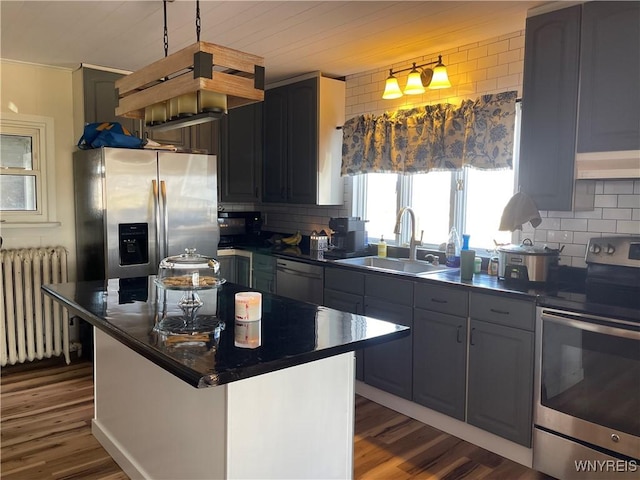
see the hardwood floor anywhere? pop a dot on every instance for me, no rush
(46, 416)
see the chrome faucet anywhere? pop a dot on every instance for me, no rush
(412, 243)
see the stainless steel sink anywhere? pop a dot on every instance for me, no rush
(410, 267)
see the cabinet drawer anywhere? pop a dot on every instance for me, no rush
(442, 299)
(344, 280)
(264, 263)
(503, 311)
(386, 287)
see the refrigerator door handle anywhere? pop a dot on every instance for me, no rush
(156, 206)
(165, 215)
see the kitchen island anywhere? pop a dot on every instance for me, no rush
(197, 406)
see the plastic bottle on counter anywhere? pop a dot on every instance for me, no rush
(382, 247)
(465, 241)
(453, 249)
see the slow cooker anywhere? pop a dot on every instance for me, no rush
(527, 263)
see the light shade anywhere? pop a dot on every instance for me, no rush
(440, 79)
(414, 83)
(391, 88)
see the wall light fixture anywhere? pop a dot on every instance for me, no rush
(417, 79)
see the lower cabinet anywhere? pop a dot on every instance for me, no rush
(235, 269)
(264, 273)
(389, 366)
(500, 390)
(439, 361)
(470, 354)
(344, 290)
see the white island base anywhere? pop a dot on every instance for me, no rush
(293, 423)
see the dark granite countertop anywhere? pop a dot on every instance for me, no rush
(292, 332)
(567, 293)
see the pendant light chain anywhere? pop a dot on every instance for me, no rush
(166, 31)
(198, 20)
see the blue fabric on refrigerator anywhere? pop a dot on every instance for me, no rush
(107, 134)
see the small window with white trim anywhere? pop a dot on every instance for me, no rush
(27, 179)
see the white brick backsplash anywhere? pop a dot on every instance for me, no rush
(636, 214)
(553, 214)
(628, 226)
(629, 201)
(575, 224)
(604, 226)
(618, 186)
(596, 213)
(550, 224)
(636, 186)
(540, 236)
(606, 201)
(572, 250)
(616, 213)
(560, 236)
(582, 238)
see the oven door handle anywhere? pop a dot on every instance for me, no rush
(592, 327)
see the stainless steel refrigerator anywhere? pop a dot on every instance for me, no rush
(135, 207)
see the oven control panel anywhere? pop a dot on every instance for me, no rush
(623, 251)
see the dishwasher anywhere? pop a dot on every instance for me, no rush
(300, 281)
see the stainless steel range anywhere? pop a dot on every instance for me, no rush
(587, 412)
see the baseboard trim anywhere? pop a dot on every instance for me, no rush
(115, 450)
(469, 433)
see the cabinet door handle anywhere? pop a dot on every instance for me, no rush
(437, 300)
(471, 342)
(458, 331)
(501, 312)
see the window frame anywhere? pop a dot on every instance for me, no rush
(41, 131)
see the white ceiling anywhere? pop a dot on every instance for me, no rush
(336, 37)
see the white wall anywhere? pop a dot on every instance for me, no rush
(44, 91)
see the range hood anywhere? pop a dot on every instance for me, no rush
(604, 165)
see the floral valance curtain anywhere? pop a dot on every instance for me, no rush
(434, 137)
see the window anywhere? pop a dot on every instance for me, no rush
(471, 200)
(27, 193)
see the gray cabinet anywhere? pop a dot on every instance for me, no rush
(389, 366)
(549, 108)
(302, 146)
(235, 269)
(241, 154)
(95, 99)
(264, 273)
(344, 290)
(440, 348)
(609, 118)
(500, 384)
(501, 380)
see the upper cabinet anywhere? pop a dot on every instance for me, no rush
(303, 142)
(609, 117)
(593, 49)
(95, 100)
(549, 108)
(241, 154)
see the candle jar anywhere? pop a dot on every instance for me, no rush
(155, 114)
(187, 105)
(213, 102)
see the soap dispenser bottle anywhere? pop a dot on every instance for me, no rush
(382, 247)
